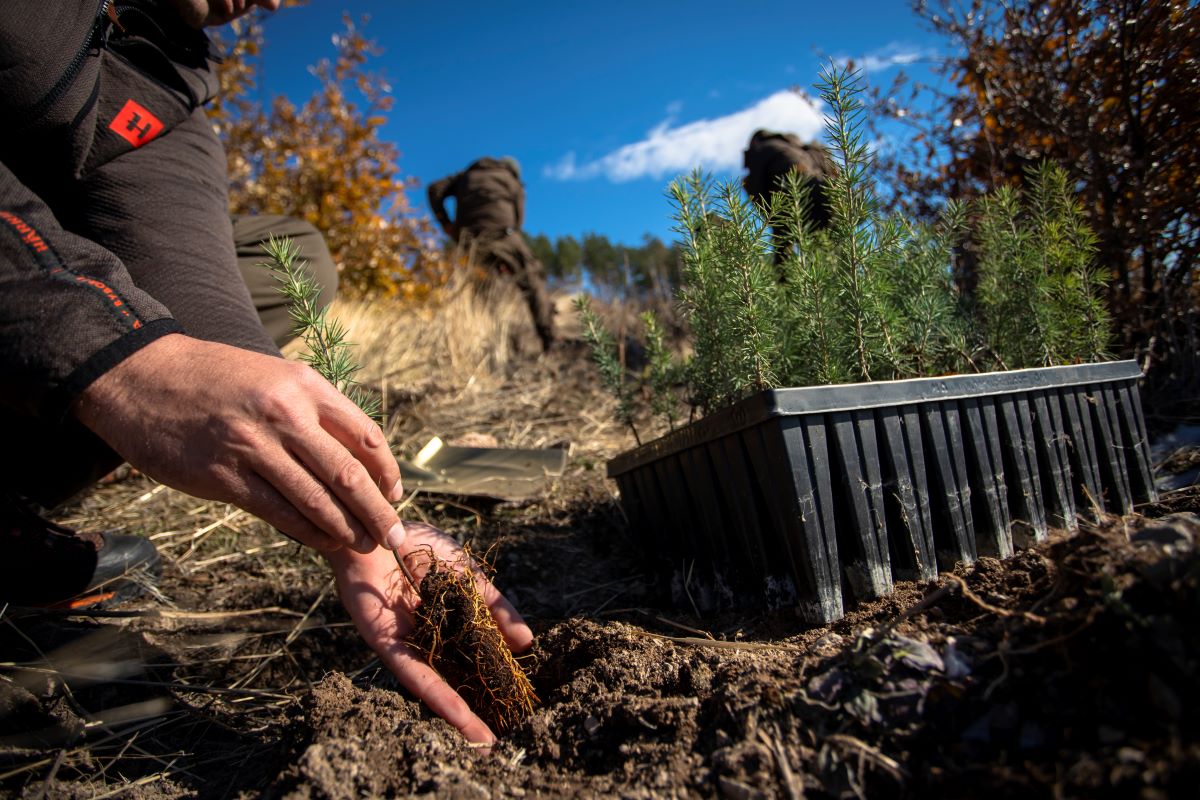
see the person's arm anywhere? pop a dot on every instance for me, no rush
(69, 310)
(277, 439)
(438, 191)
(269, 435)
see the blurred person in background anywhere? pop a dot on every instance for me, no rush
(489, 212)
(768, 158)
(129, 331)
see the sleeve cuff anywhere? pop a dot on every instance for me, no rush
(106, 358)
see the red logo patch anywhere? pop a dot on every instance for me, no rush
(135, 124)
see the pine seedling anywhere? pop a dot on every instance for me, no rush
(663, 370)
(703, 287)
(751, 336)
(604, 353)
(860, 238)
(1039, 292)
(730, 295)
(813, 335)
(328, 352)
(1008, 287)
(454, 627)
(930, 317)
(1067, 246)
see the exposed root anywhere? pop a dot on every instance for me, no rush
(461, 641)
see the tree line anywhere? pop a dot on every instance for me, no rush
(651, 268)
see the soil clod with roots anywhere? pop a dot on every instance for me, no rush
(456, 631)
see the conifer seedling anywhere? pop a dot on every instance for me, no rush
(770, 302)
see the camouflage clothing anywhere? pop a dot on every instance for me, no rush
(489, 213)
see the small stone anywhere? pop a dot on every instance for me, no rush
(827, 645)
(591, 725)
(957, 665)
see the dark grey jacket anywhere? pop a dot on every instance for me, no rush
(113, 196)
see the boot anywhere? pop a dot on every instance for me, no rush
(46, 565)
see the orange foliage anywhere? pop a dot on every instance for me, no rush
(325, 161)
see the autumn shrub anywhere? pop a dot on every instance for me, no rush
(325, 161)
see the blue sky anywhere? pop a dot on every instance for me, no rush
(602, 103)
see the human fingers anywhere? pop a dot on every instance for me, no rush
(363, 437)
(512, 626)
(259, 497)
(371, 590)
(355, 461)
(425, 683)
(339, 476)
(309, 498)
(510, 622)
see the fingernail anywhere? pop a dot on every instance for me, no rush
(395, 536)
(397, 492)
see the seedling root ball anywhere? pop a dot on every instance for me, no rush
(456, 631)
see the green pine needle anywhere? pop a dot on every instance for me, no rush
(328, 351)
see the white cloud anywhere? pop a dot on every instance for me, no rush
(711, 144)
(889, 56)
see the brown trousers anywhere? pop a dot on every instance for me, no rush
(507, 254)
(250, 232)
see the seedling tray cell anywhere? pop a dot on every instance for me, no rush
(1052, 451)
(863, 542)
(821, 496)
(910, 529)
(993, 535)
(1085, 454)
(949, 492)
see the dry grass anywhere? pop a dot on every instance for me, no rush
(470, 335)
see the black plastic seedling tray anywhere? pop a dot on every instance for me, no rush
(819, 496)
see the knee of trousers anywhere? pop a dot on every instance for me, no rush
(251, 232)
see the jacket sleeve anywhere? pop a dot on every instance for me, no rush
(438, 192)
(69, 310)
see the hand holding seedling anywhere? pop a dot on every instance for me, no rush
(270, 436)
(381, 602)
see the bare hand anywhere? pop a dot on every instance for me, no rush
(380, 602)
(270, 436)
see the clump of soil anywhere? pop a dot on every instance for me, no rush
(456, 630)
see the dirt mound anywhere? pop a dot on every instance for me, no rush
(1067, 671)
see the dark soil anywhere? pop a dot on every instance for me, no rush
(1068, 671)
